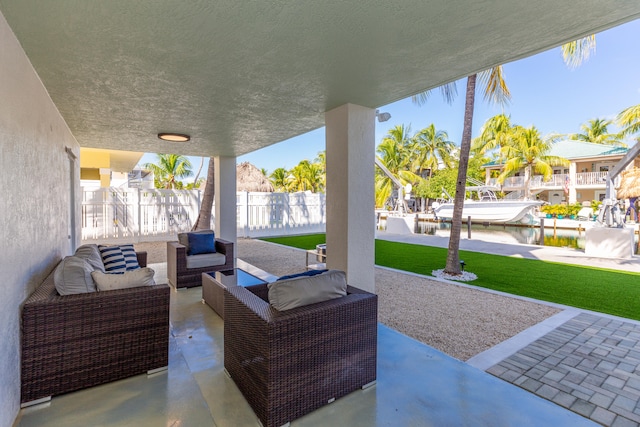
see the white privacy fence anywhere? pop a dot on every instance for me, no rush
(138, 215)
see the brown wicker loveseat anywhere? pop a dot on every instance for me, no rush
(289, 363)
(76, 341)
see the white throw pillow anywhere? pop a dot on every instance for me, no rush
(128, 279)
(299, 291)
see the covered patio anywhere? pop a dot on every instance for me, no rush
(236, 77)
(417, 385)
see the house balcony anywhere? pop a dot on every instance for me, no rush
(582, 180)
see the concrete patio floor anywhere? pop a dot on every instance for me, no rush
(417, 386)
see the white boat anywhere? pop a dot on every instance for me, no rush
(488, 208)
(488, 211)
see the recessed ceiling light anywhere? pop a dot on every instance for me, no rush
(174, 137)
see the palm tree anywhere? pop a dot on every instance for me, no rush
(169, 167)
(279, 179)
(203, 222)
(596, 132)
(395, 154)
(529, 151)
(495, 90)
(495, 133)
(629, 120)
(431, 148)
(305, 176)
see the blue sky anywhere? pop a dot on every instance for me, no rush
(545, 93)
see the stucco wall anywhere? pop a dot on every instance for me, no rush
(35, 201)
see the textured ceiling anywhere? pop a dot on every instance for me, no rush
(240, 75)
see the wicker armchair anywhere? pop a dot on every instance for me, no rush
(77, 341)
(182, 277)
(289, 363)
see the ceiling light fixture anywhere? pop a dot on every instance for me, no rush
(382, 117)
(174, 137)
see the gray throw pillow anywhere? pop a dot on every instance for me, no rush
(91, 253)
(300, 291)
(130, 279)
(73, 276)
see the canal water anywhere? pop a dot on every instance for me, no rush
(512, 234)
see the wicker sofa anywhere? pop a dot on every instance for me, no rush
(76, 341)
(289, 363)
(180, 276)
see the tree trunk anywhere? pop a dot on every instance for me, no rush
(453, 257)
(204, 216)
(195, 180)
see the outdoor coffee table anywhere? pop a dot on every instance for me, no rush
(215, 282)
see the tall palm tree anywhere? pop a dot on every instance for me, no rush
(596, 132)
(529, 151)
(203, 222)
(168, 169)
(496, 90)
(395, 154)
(431, 148)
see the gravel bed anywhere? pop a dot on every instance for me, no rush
(456, 320)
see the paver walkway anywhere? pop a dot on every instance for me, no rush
(590, 365)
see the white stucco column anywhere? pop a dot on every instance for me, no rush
(350, 144)
(225, 199)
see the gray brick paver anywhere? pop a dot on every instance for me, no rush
(564, 399)
(623, 422)
(583, 407)
(547, 392)
(625, 403)
(601, 400)
(602, 416)
(614, 382)
(590, 364)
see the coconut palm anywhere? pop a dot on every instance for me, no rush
(529, 151)
(279, 179)
(495, 90)
(629, 120)
(305, 176)
(394, 152)
(431, 148)
(168, 169)
(203, 222)
(495, 133)
(596, 132)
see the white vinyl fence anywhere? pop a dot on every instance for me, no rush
(113, 215)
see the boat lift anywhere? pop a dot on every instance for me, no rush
(401, 204)
(610, 213)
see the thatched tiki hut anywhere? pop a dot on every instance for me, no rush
(250, 178)
(629, 184)
(630, 189)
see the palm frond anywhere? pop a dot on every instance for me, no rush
(496, 90)
(576, 52)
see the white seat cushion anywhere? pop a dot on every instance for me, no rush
(206, 260)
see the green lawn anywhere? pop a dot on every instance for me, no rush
(602, 290)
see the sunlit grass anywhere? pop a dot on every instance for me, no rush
(597, 289)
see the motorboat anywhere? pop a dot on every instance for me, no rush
(487, 208)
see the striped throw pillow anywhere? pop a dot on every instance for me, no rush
(118, 259)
